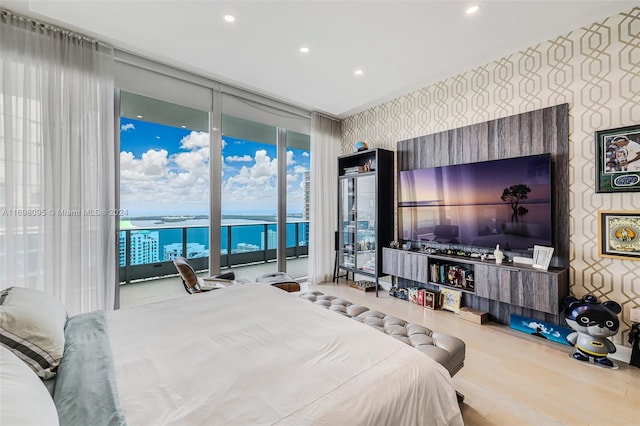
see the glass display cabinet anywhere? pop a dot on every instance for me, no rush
(365, 214)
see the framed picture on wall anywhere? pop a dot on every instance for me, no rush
(618, 159)
(619, 234)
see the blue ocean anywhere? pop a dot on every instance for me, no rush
(246, 235)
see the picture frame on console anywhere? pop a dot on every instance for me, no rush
(542, 257)
(430, 301)
(450, 300)
(619, 234)
(618, 159)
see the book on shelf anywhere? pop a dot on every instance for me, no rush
(353, 170)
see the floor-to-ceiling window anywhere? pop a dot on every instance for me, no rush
(212, 165)
(249, 198)
(265, 185)
(164, 186)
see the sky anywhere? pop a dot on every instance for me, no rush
(165, 171)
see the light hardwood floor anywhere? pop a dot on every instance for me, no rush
(509, 378)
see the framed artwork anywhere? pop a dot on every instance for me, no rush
(618, 159)
(429, 299)
(542, 257)
(619, 234)
(450, 300)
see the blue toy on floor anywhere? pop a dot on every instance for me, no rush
(592, 323)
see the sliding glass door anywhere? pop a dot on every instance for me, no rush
(265, 197)
(249, 196)
(164, 187)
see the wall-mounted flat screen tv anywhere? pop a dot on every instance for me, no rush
(506, 202)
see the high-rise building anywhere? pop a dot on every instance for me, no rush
(144, 247)
(171, 251)
(272, 240)
(307, 195)
(122, 248)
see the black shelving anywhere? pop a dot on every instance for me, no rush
(365, 211)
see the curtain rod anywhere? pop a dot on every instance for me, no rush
(6, 15)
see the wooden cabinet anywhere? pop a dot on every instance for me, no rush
(365, 211)
(518, 287)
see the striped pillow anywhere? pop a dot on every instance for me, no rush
(32, 327)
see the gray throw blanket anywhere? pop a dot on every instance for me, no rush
(85, 390)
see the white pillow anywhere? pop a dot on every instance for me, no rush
(24, 399)
(32, 327)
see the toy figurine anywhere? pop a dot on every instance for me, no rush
(592, 323)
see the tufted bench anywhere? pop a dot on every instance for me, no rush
(447, 350)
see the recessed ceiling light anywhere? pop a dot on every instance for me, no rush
(472, 9)
(358, 72)
(229, 18)
(138, 116)
(304, 49)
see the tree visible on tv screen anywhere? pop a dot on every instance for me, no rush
(514, 195)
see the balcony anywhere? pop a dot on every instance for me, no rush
(170, 287)
(146, 255)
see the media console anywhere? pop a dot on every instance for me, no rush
(499, 289)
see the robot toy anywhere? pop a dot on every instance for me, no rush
(592, 323)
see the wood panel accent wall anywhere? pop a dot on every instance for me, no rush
(536, 132)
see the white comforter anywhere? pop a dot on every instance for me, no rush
(254, 354)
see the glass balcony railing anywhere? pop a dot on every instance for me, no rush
(149, 253)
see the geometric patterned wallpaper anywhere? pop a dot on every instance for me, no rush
(596, 70)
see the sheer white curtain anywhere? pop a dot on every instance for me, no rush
(323, 217)
(57, 164)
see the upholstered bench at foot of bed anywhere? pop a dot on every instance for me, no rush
(447, 350)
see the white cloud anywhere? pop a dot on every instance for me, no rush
(128, 126)
(179, 183)
(152, 165)
(237, 159)
(253, 187)
(299, 170)
(163, 183)
(195, 140)
(193, 161)
(305, 153)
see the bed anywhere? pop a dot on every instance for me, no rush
(249, 354)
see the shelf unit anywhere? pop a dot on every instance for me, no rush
(365, 211)
(449, 273)
(500, 289)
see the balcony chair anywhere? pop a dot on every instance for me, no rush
(192, 284)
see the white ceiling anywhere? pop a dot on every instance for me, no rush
(399, 45)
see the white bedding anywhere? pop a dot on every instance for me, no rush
(254, 354)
